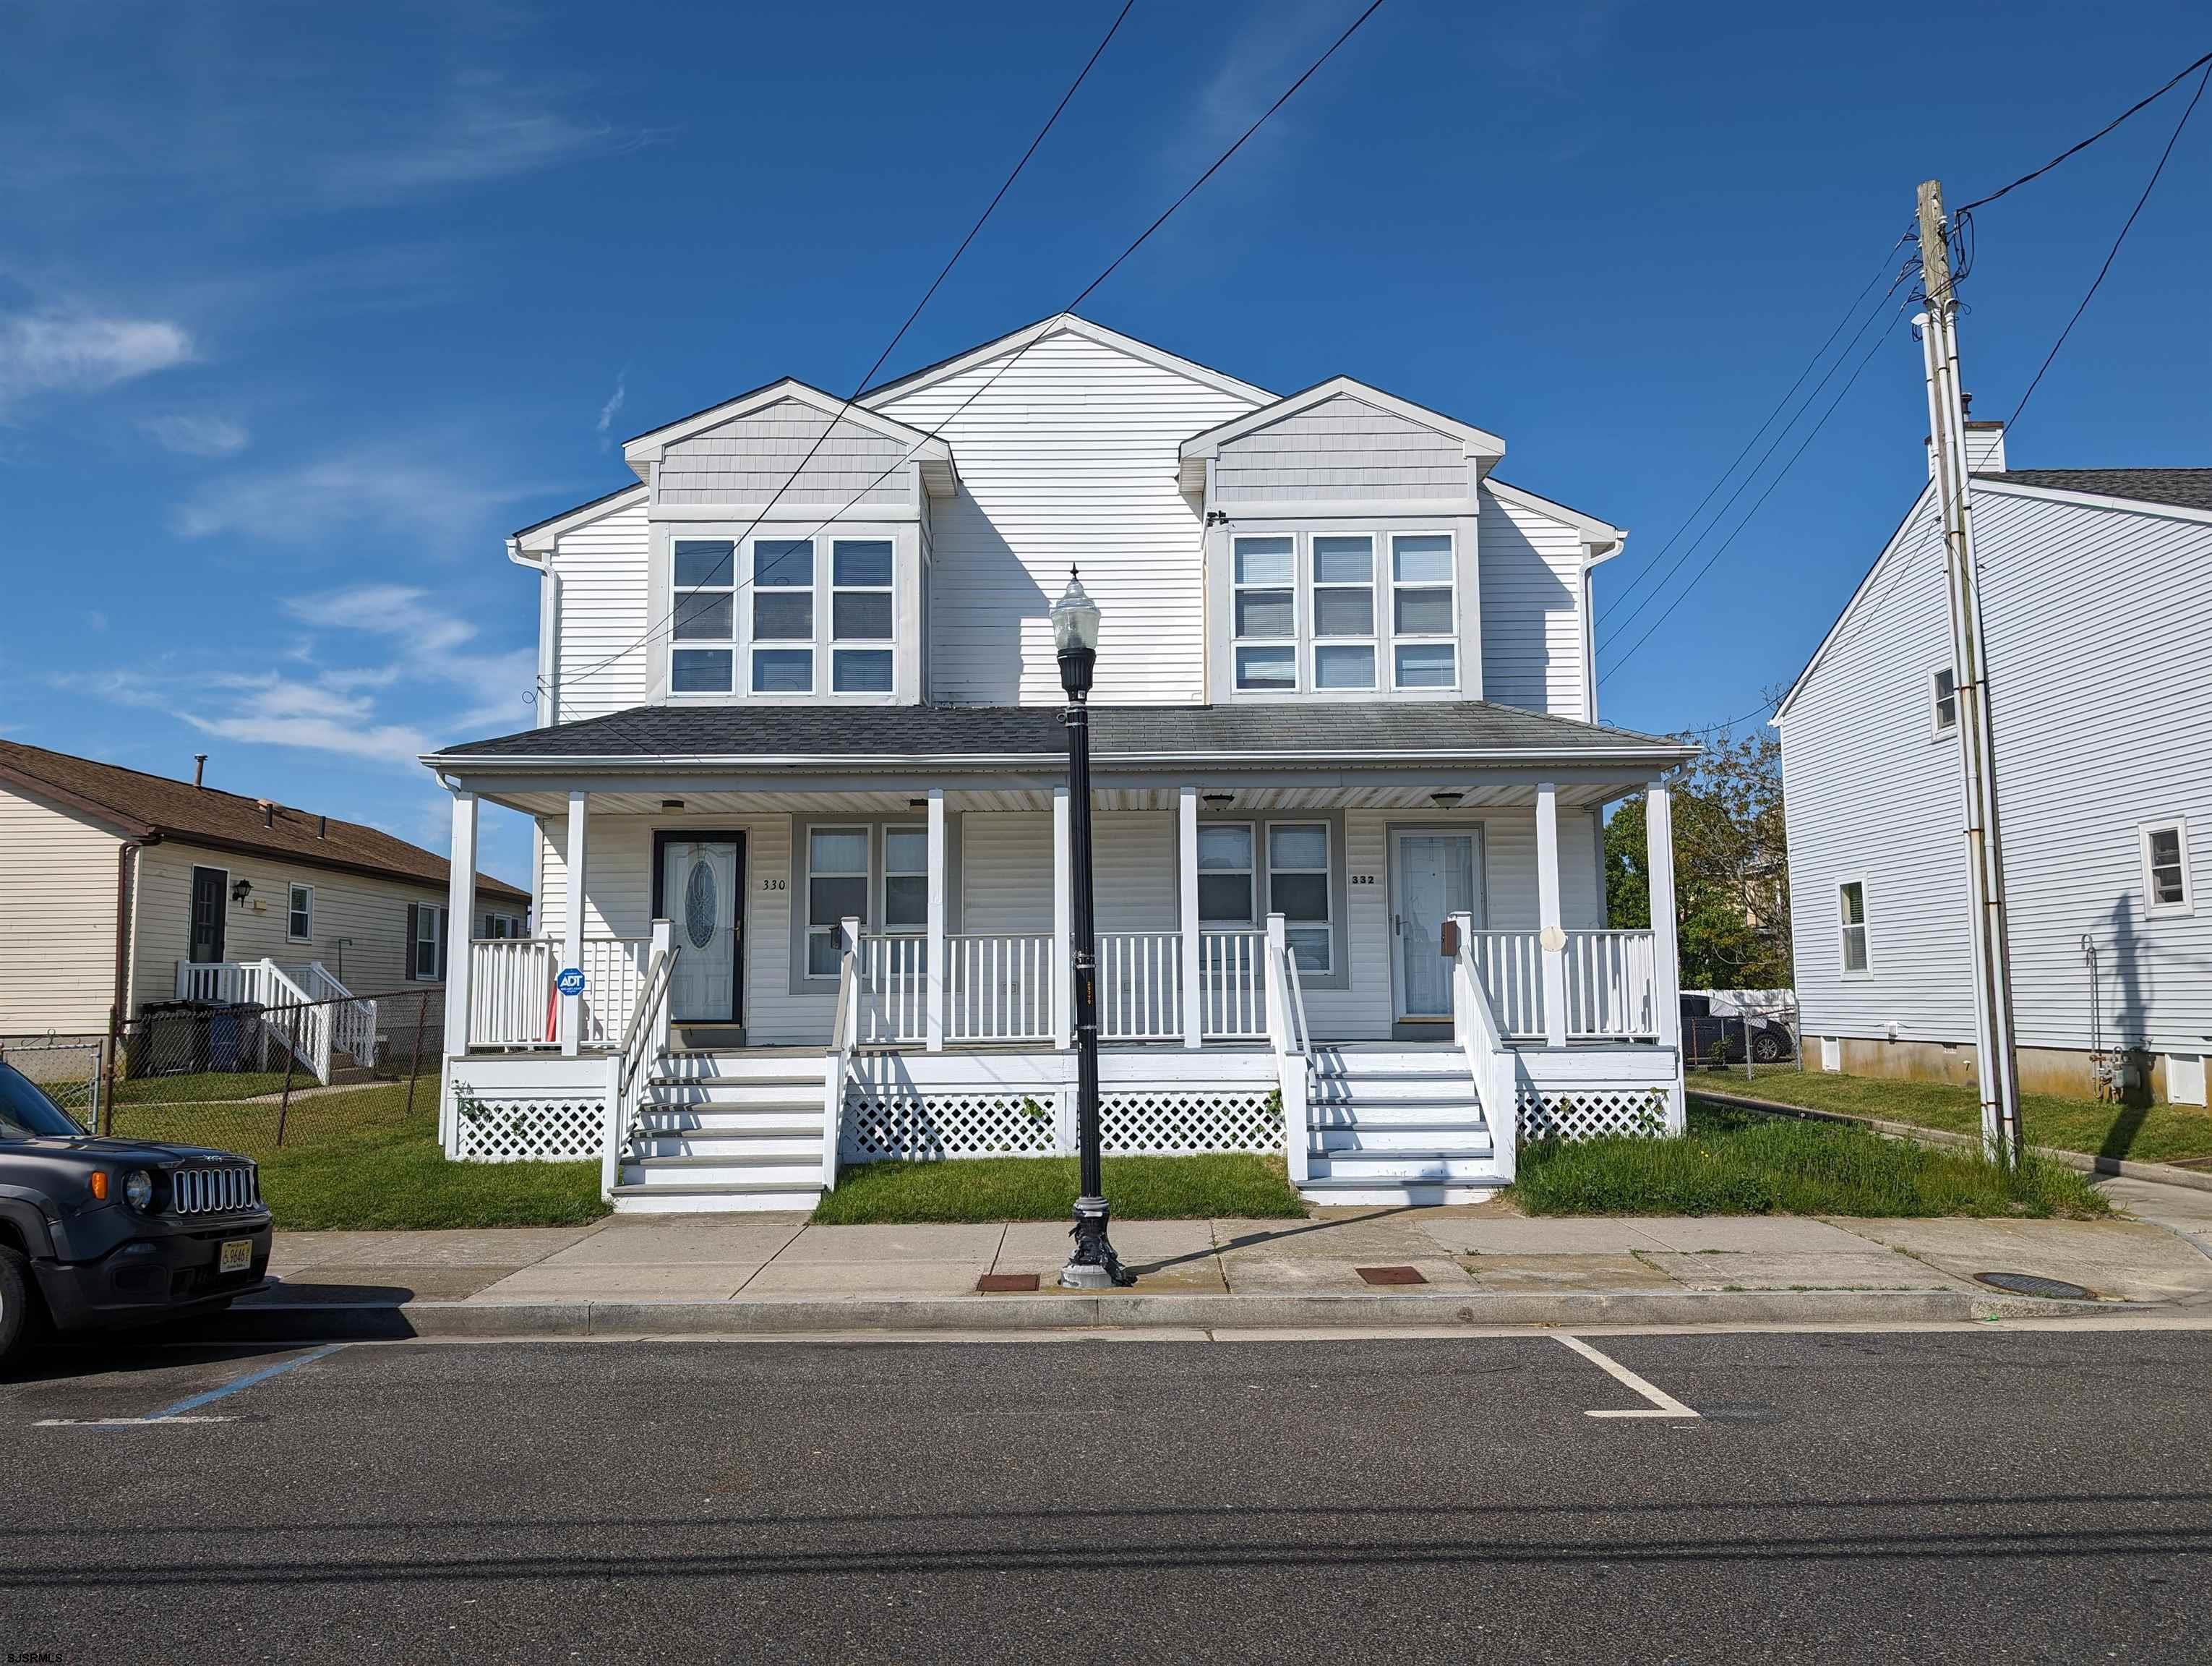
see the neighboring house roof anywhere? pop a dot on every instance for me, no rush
(2181, 489)
(1370, 731)
(146, 806)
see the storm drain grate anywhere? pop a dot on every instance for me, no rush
(2034, 1284)
(1391, 1274)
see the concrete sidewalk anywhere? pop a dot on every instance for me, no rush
(1436, 1264)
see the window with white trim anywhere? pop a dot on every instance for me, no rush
(2166, 881)
(1423, 611)
(300, 915)
(1297, 888)
(501, 926)
(703, 623)
(1264, 609)
(1850, 902)
(782, 596)
(429, 939)
(906, 879)
(1344, 611)
(1945, 689)
(836, 888)
(1225, 875)
(861, 611)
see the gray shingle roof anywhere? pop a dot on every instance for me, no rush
(1348, 730)
(2184, 489)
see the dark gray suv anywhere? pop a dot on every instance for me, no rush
(107, 1232)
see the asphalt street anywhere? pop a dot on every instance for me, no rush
(1999, 1494)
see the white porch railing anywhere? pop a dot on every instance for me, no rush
(354, 1020)
(891, 971)
(1233, 999)
(1511, 967)
(1612, 985)
(1475, 1026)
(644, 1037)
(511, 996)
(300, 1022)
(1284, 1014)
(1001, 988)
(1140, 985)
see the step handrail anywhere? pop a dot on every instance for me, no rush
(1286, 1035)
(356, 1019)
(645, 1036)
(838, 1059)
(1489, 1060)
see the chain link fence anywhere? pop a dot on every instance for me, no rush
(252, 1079)
(1746, 1034)
(67, 1068)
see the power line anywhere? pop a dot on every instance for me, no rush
(1752, 513)
(2113, 254)
(2075, 149)
(1764, 706)
(937, 433)
(1820, 353)
(1744, 485)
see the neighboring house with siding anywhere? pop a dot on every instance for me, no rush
(179, 874)
(799, 681)
(2097, 608)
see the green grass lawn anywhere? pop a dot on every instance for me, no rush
(1741, 1163)
(197, 1084)
(359, 1160)
(988, 1189)
(2152, 1133)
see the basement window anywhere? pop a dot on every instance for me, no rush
(2166, 887)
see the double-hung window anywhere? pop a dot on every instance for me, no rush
(860, 613)
(1851, 899)
(906, 879)
(1266, 611)
(429, 938)
(1343, 612)
(1945, 689)
(836, 888)
(703, 623)
(300, 915)
(2166, 887)
(1423, 611)
(783, 616)
(1297, 888)
(1225, 875)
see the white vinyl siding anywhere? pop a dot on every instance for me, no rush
(1069, 459)
(2096, 620)
(599, 661)
(57, 877)
(1533, 645)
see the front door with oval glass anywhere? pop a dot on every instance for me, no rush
(699, 894)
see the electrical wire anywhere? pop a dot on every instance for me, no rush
(2075, 149)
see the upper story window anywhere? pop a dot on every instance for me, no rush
(705, 613)
(783, 616)
(2166, 887)
(861, 611)
(1423, 611)
(1265, 611)
(1344, 612)
(1945, 690)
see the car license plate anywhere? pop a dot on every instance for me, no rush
(237, 1255)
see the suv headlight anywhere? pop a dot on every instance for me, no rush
(139, 1189)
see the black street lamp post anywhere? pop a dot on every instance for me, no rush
(1092, 1264)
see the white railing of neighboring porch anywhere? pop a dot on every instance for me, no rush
(1612, 985)
(354, 1022)
(511, 996)
(303, 1025)
(1140, 985)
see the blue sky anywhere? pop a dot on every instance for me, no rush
(303, 308)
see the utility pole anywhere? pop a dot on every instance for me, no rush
(1947, 428)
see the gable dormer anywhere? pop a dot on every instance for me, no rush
(788, 539)
(1341, 552)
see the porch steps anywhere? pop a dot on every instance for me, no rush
(1395, 1128)
(725, 1131)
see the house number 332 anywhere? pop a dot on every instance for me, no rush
(1363, 878)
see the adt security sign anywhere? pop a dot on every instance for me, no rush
(571, 980)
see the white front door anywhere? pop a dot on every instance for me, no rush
(699, 894)
(1432, 875)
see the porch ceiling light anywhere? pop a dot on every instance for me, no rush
(1445, 800)
(1075, 637)
(1217, 800)
(671, 804)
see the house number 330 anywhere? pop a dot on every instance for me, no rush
(772, 884)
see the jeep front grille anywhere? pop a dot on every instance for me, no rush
(214, 1191)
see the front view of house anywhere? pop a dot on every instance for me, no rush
(801, 792)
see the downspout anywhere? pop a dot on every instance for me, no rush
(547, 695)
(126, 885)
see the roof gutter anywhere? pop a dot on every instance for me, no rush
(448, 763)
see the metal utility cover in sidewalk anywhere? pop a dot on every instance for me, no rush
(1391, 1274)
(2034, 1284)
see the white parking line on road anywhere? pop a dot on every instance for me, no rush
(1662, 1404)
(181, 1413)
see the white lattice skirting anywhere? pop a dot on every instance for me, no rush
(1170, 1121)
(533, 1129)
(1592, 1113)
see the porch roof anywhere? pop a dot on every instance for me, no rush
(1271, 735)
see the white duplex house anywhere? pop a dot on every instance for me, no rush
(2097, 611)
(801, 792)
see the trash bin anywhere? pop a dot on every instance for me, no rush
(169, 1039)
(234, 1037)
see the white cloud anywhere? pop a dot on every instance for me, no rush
(613, 406)
(199, 433)
(480, 129)
(374, 489)
(64, 350)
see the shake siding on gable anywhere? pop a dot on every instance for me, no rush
(1069, 457)
(750, 459)
(1341, 448)
(603, 614)
(57, 876)
(1532, 625)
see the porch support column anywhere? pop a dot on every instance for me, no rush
(935, 982)
(1193, 990)
(1553, 937)
(460, 910)
(571, 946)
(1063, 925)
(1665, 971)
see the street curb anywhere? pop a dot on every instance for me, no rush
(2160, 1173)
(1013, 1315)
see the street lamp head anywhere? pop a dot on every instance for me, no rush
(1075, 637)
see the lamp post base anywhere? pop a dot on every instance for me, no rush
(1092, 1264)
